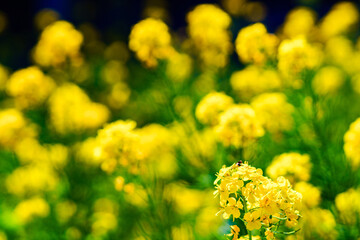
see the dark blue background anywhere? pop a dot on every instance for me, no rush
(113, 18)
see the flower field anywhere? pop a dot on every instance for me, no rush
(218, 130)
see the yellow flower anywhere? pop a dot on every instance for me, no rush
(324, 221)
(65, 210)
(299, 21)
(83, 115)
(119, 183)
(239, 126)
(348, 206)
(104, 218)
(14, 128)
(269, 235)
(254, 80)
(252, 220)
(26, 210)
(117, 144)
(232, 208)
(255, 45)
(235, 230)
(352, 144)
(294, 166)
(31, 179)
(59, 41)
(179, 67)
(208, 30)
(150, 40)
(211, 106)
(271, 106)
(328, 80)
(297, 54)
(342, 17)
(311, 194)
(30, 87)
(244, 190)
(30, 150)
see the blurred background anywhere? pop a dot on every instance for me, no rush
(114, 18)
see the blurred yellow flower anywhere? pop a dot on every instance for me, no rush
(58, 42)
(179, 67)
(348, 206)
(14, 128)
(296, 55)
(31, 151)
(211, 106)
(104, 218)
(208, 30)
(273, 111)
(65, 210)
(255, 45)
(294, 166)
(311, 194)
(30, 87)
(352, 144)
(150, 40)
(253, 80)
(117, 143)
(26, 210)
(342, 18)
(31, 179)
(83, 115)
(239, 126)
(299, 22)
(328, 80)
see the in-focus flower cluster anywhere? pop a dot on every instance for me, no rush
(256, 200)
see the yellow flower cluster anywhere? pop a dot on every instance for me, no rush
(117, 145)
(26, 210)
(255, 45)
(348, 206)
(239, 126)
(179, 67)
(31, 179)
(150, 40)
(328, 80)
(30, 150)
(296, 55)
(208, 30)
(104, 218)
(311, 194)
(13, 128)
(294, 166)
(342, 17)
(312, 215)
(30, 87)
(299, 22)
(352, 144)
(319, 223)
(257, 200)
(253, 80)
(273, 111)
(234, 124)
(211, 106)
(120, 143)
(58, 42)
(72, 111)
